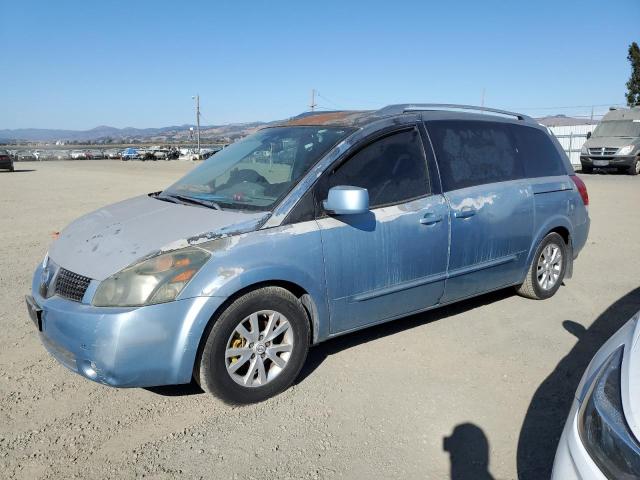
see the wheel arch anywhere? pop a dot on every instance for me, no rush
(560, 225)
(310, 306)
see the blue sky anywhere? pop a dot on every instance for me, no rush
(79, 64)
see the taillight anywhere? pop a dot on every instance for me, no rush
(582, 189)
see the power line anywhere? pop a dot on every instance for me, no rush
(328, 100)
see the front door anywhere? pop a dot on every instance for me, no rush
(392, 260)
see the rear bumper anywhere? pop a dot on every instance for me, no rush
(6, 164)
(125, 347)
(613, 162)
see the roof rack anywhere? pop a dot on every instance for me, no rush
(421, 107)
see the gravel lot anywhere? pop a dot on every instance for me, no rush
(477, 390)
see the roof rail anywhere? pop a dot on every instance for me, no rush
(421, 107)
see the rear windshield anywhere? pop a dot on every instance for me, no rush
(618, 128)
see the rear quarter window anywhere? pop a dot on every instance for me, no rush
(471, 153)
(539, 155)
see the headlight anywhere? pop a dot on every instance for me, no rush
(626, 150)
(156, 280)
(602, 425)
(584, 150)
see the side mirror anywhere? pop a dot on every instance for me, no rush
(347, 200)
(588, 135)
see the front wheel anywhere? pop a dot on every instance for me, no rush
(547, 269)
(256, 348)
(587, 169)
(635, 168)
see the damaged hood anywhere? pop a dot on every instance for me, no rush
(104, 242)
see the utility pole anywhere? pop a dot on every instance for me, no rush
(197, 98)
(313, 104)
(482, 99)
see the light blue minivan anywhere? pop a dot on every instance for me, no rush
(326, 224)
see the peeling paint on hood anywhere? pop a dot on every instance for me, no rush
(104, 242)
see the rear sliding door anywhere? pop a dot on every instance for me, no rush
(491, 205)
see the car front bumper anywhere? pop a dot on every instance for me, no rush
(123, 347)
(572, 461)
(616, 161)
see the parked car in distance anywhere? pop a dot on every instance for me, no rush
(6, 162)
(615, 143)
(161, 153)
(60, 155)
(95, 154)
(78, 155)
(129, 154)
(601, 438)
(113, 154)
(24, 156)
(230, 274)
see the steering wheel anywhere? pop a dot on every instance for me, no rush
(246, 175)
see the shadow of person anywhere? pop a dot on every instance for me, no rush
(468, 449)
(550, 404)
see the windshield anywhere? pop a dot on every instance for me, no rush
(618, 128)
(259, 170)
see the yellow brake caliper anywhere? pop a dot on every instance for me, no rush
(237, 342)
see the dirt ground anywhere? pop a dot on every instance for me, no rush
(477, 390)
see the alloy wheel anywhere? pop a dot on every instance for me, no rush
(549, 266)
(259, 348)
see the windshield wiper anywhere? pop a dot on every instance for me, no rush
(194, 201)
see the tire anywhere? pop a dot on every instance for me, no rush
(536, 288)
(635, 168)
(586, 169)
(213, 368)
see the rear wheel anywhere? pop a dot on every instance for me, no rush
(547, 269)
(256, 348)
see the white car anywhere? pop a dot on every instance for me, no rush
(601, 437)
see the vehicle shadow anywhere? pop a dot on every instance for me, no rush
(23, 170)
(468, 449)
(183, 390)
(551, 403)
(319, 353)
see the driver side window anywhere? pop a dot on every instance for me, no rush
(392, 168)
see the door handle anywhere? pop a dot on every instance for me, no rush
(465, 213)
(430, 219)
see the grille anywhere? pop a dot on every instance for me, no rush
(603, 151)
(71, 285)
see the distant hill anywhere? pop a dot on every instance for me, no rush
(563, 120)
(106, 133)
